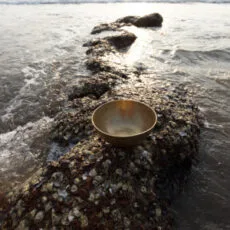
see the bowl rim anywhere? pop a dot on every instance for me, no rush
(112, 101)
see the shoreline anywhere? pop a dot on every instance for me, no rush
(97, 186)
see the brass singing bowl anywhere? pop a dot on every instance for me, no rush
(124, 122)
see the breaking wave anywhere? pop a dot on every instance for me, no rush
(20, 149)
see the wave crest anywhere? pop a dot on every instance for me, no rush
(196, 56)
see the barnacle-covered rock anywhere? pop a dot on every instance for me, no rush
(114, 182)
(92, 88)
(98, 186)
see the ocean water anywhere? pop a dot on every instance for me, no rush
(41, 56)
(35, 2)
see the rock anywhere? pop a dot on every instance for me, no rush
(93, 88)
(127, 19)
(97, 65)
(122, 41)
(103, 27)
(94, 42)
(116, 189)
(151, 20)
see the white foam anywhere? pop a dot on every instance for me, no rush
(212, 125)
(32, 77)
(17, 156)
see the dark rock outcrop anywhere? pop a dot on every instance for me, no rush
(127, 20)
(107, 45)
(103, 27)
(119, 41)
(150, 20)
(122, 41)
(97, 65)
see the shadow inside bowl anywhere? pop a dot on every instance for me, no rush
(124, 122)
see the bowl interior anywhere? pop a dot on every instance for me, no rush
(124, 118)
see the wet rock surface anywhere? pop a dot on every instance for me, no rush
(122, 41)
(110, 44)
(93, 89)
(98, 186)
(150, 20)
(104, 27)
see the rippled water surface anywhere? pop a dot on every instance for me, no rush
(41, 55)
